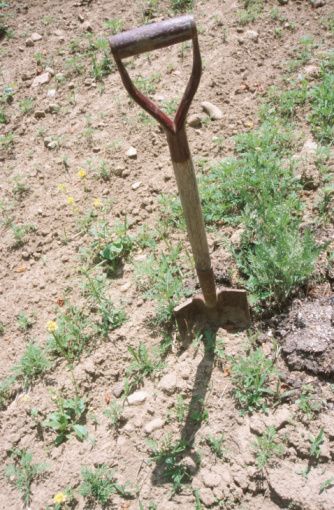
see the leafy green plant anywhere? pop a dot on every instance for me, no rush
(216, 444)
(26, 105)
(99, 484)
(20, 188)
(142, 365)
(20, 234)
(266, 446)
(308, 403)
(160, 277)
(32, 364)
(326, 484)
(181, 5)
(111, 246)
(168, 455)
(316, 443)
(251, 10)
(110, 317)
(114, 414)
(251, 377)
(6, 390)
(22, 472)
(114, 25)
(24, 321)
(66, 419)
(180, 409)
(322, 115)
(147, 85)
(71, 336)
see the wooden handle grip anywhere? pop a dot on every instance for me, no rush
(152, 36)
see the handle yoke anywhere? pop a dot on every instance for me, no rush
(151, 37)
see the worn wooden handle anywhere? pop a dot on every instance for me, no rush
(152, 36)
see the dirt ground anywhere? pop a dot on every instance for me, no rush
(74, 122)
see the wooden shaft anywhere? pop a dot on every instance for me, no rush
(153, 36)
(192, 210)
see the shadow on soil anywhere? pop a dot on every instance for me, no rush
(188, 458)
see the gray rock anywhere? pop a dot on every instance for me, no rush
(35, 37)
(29, 42)
(189, 463)
(131, 153)
(118, 389)
(136, 185)
(252, 35)
(137, 398)
(153, 425)
(195, 120)
(168, 383)
(212, 110)
(41, 79)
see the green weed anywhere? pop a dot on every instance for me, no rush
(266, 446)
(99, 484)
(25, 322)
(114, 414)
(22, 472)
(20, 234)
(251, 377)
(66, 419)
(32, 364)
(251, 10)
(6, 390)
(160, 278)
(26, 105)
(168, 456)
(216, 444)
(326, 484)
(308, 403)
(71, 336)
(322, 115)
(181, 5)
(315, 444)
(147, 85)
(142, 365)
(114, 25)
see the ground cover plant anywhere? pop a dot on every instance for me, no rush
(102, 405)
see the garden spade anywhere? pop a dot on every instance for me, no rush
(224, 307)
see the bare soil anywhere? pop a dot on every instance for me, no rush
(91, 121)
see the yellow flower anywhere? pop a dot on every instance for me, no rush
(59, 498)
(97, 203)
(70, 200)
(61, 187)
(52, 326)
(81, 173)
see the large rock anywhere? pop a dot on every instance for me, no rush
(308, 342)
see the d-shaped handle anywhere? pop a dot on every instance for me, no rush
(151, 37)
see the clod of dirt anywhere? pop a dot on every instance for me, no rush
(288, 487)
(195, 120)
(309, 340)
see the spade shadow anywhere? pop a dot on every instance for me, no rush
(196, 413)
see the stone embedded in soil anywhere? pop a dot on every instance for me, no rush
(311, 71)
(137, 398)
(136, 185)
(317, 3)
(29, 42)
(131, 153)
(252, 35)
(212, 110)
(35, 37)
(195, 120)
(118, 389)
(168, 383)
(153, 425)
(41, 79)
(309, 343)
(87, 26)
